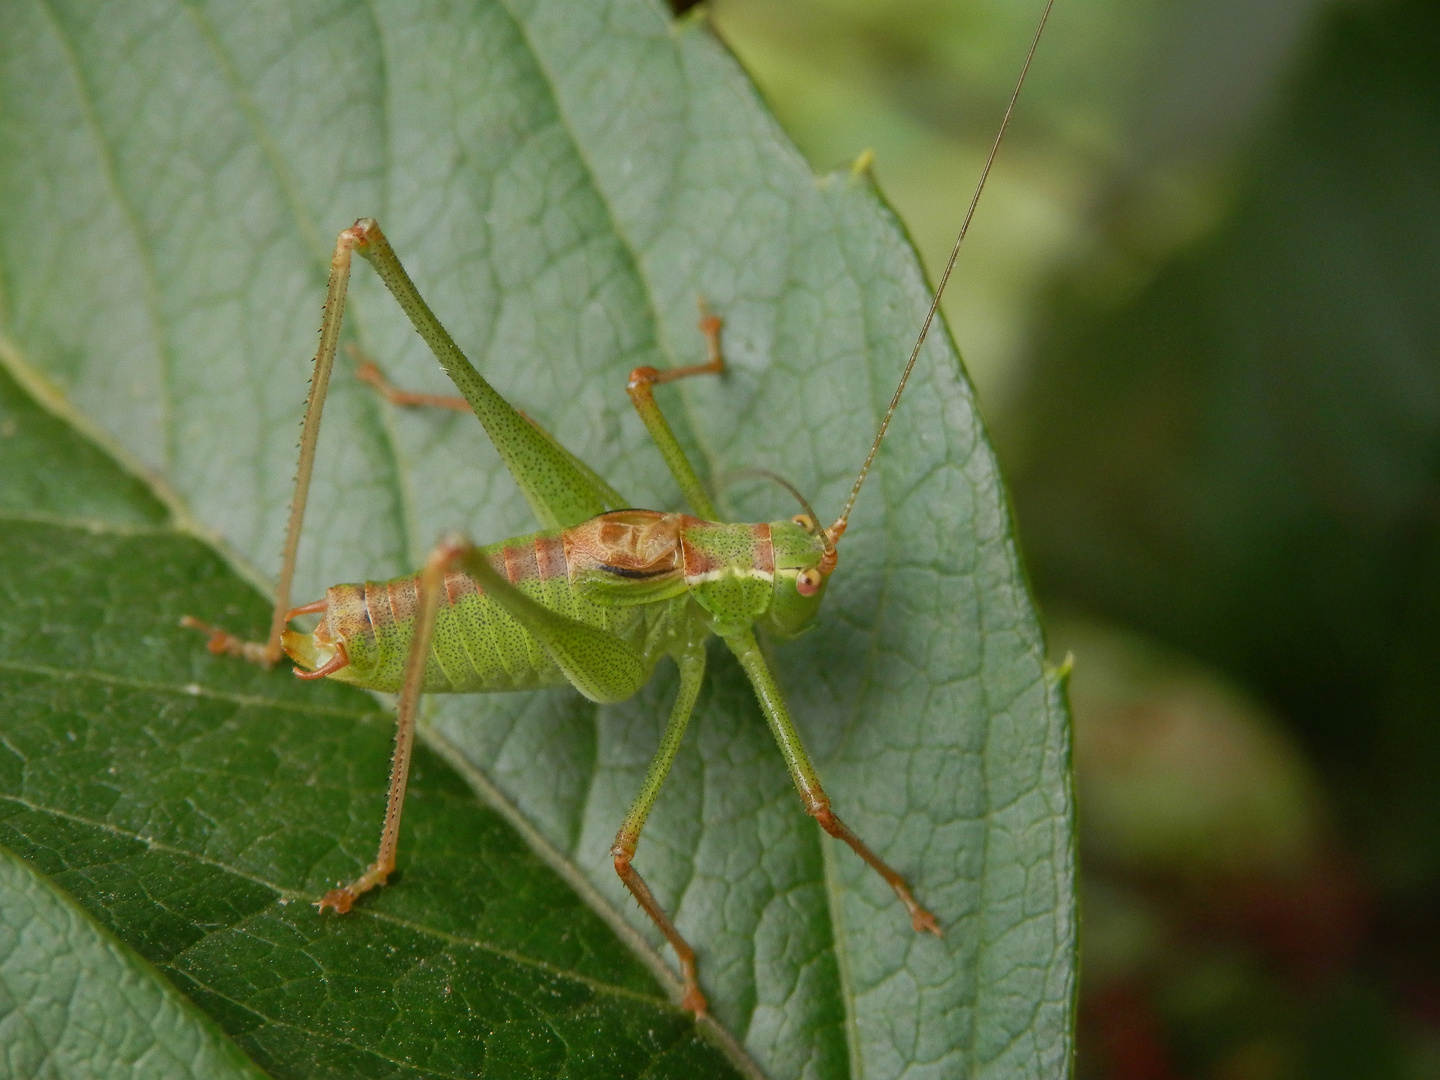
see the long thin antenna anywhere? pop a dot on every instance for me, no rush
(836, 530)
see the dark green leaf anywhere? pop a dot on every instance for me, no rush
(75, 1004)
(564, 180)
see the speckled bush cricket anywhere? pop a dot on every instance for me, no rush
(594, 600)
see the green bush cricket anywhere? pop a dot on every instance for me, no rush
(594, 600)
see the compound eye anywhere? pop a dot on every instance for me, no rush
(808, 582)
(805, 522)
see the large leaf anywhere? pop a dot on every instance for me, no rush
(564, 179)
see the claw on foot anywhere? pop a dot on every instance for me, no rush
(924, 922)
(920, 919)
(341, 900)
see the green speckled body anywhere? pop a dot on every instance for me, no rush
(652, 581)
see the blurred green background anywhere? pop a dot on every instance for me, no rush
(1201, 304)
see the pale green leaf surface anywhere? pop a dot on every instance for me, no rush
(75, 1004)
(564, 179)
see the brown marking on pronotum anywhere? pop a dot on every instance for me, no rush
(640, 544)
(764, 548)
(699, 562)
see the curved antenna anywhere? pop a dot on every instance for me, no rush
(838, 529)
(791, 488)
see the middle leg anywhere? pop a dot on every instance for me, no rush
(368, 372)
(692, 674)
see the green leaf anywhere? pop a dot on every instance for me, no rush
(74, 1003)
(195, 807)
(563, 180)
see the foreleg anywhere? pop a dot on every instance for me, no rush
(642, 396)
(807, 782)
(692, 674)
(368, 372)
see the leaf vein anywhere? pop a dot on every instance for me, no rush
(289, 895)
(145, 257)
(192, 690)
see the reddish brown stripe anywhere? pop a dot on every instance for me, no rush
(377, 605)
(404, 599)
(520, 563)
(347, 615)
(764, 548)
(550, 557)
(698, 562)
(459, 585)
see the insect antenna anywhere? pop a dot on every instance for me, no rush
(833, 534)
(766, 474)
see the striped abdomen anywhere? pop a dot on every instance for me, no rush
(477, 645)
